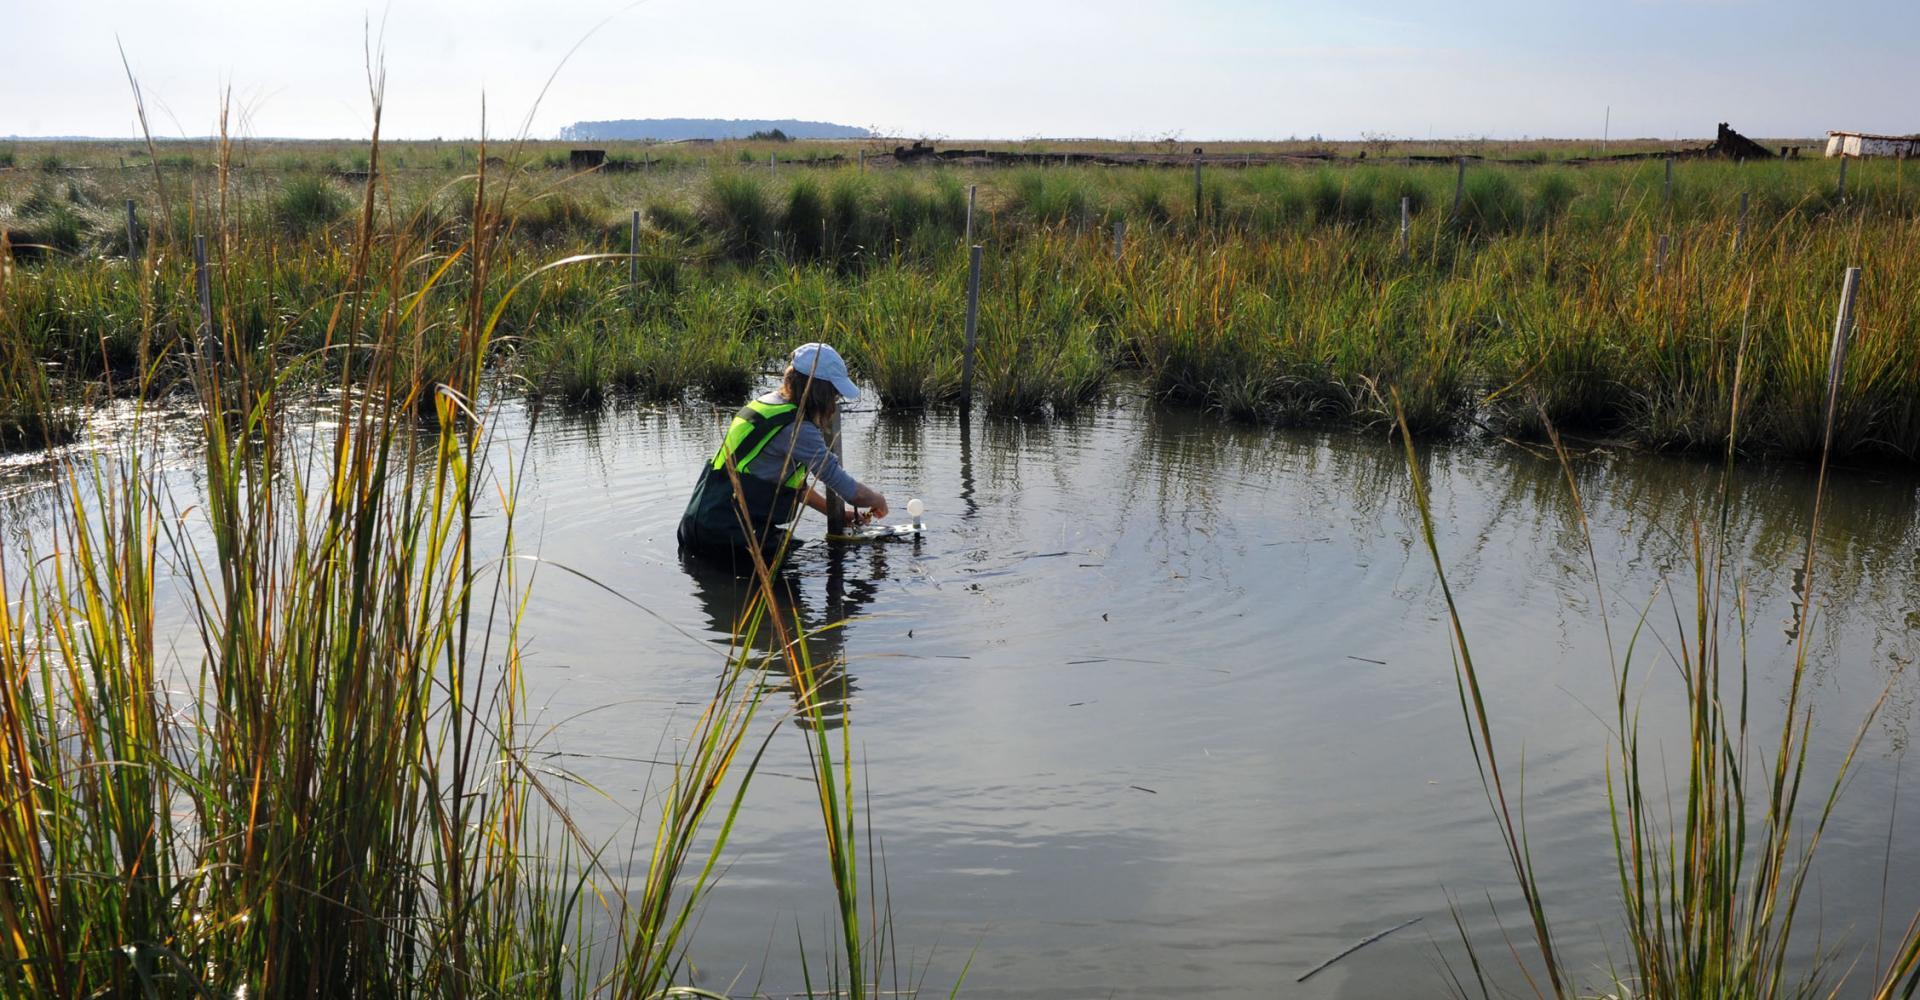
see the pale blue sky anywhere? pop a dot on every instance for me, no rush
(988, 68)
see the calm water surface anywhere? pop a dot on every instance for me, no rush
(1164, 706)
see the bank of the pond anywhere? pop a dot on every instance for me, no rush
(1592, 298)
(1598, 299)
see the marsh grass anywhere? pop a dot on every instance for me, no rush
(308, 202)
(899, 332)
(1712, 874)
(1288, 303)
(271, 739)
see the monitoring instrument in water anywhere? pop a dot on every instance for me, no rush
(884, 532)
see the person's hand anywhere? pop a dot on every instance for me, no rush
(879, 511)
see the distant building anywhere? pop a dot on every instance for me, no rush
(1868, 144)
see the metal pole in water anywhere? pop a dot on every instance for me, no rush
(1740, 234)
(1842, 332)
(973, 325)
(971, 189)
(133, 233)
(1406, 227)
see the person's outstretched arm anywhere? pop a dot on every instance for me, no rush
(865, 496)
(810, 449)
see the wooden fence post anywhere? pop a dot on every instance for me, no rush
(973, 325)
(1841, 191)
(203, 290)
(1660, 254)
(633, 256)
(836, 504)
(1740, 234)
(1199, 202)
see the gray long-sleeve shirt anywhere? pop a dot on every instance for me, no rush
(807, 447)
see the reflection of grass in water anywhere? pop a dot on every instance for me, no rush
(1710, 883)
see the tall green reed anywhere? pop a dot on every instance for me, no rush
(323, 786)
(1711, 877)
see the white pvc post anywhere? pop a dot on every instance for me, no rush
(1837, 359)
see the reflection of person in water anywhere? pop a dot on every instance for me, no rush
(754, 486)
(726, 596)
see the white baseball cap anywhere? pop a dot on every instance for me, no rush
(823, 362)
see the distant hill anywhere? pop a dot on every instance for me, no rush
(671, 129)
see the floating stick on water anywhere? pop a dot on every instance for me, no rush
(1310, 973)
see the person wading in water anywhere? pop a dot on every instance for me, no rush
(771, 446)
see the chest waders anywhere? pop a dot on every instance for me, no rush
(712, 520)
